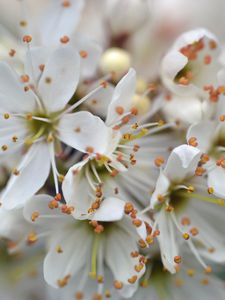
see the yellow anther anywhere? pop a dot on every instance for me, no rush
(6, 116)
(186, 236)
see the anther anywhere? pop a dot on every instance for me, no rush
(41, 67)
(186, 236)
(208, 269)
(193, 142)
(16, 172)
(34, 216)
(185, 221)
(58, 197)
(159, 161)
(89, 149)
(207, 60)
(149, 239)
(138, 268)
(6, 116)
(137, 222)
(48, 80)
(118, 284)
(65, 39)
(199, 171)
(119, 110)
(59, 249)
(183, 81)
(12, 52)
(24, 78)
(63, 282)
(128, 208)
(79, 296)
(205, 281)
(32, 238)
(23, 23)
(53, 204)
(4, 147)
(100, 279)
(134, 254)
(66, 3)
(142, 243)
(222, 118)
(190, 272)
(99, 229)
(194, 231)
(177, 259)
(27, 38)
(83, 54)
(133, 279)
(107, 294)
(204, 158)
(212, 44)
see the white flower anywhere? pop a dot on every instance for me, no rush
(32, 117)
(188, 283)
(122, 159)
(209, 136)
(183, 208)
(191, 66)
(54, 23)
(185, 110)
(77, 249)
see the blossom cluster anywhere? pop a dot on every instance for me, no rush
(112, 150)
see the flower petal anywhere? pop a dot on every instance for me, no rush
(60, 20)
(122, 97)
(85, 132)
(123, 241)
(76, 190)
(33, 172)
(204, 134)
(111, 209)
(167, 242)
(216, 179)
(71, 240)
(161, 188)
(182, 163)
(13, 98)
(92, 53)
(60, 78)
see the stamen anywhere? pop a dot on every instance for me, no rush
(95, 248)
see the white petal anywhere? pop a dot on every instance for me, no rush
(60, 21)
(182, 163)
(122, 97)
(98, 104)
(60, 78)
(34, 170)
(13, 225)
(204, 133)
(203, 74)
(13, 98)
(161, 188)
(216, 179)
(12, 127)
(167, 242)
(90, 62)
(111, 209)
(73, 257)
(83, 130)
(185, 110)
(135, 13)
(35, 57)
(76, 190)
(47, 218)
(122, 241)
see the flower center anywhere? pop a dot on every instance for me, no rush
(40, 126)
